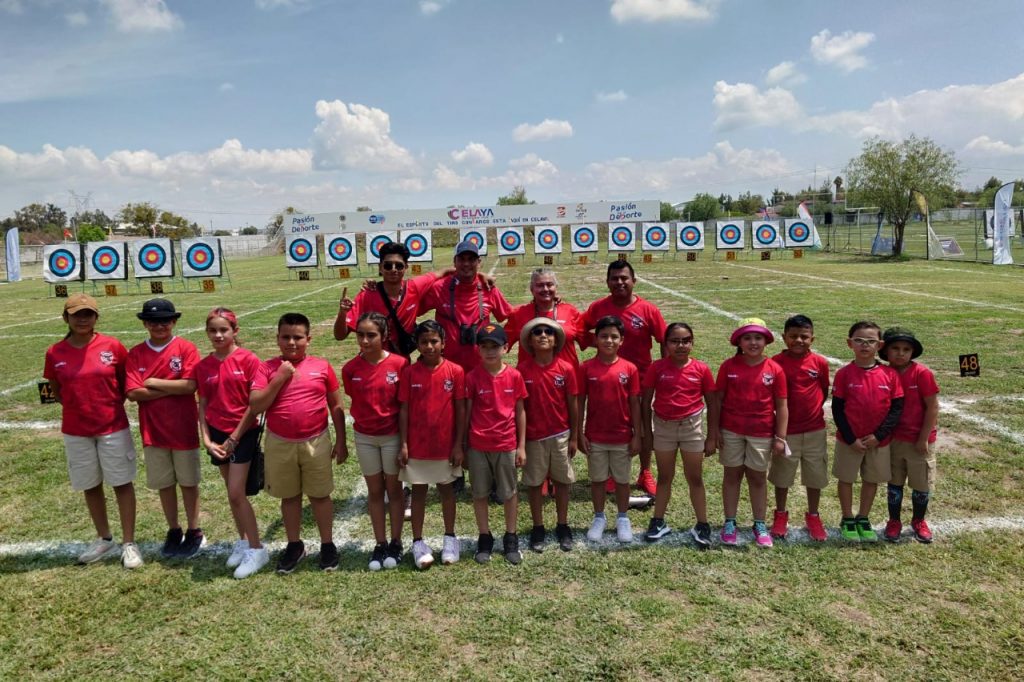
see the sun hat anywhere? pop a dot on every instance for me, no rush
(158, 310)
(751, 325)
(524, 335)
(491, 332)
(77, 302)
(893, 334)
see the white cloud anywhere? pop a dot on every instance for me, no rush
(617, 96)
(449, 179)
(545, 130)
(842, 50)
(743, 105)
(226, 87)
(528, 170)
(142, 15)
(983, 145)
(784, 73)
(429, 7)
(474, 153)
(661, 10)
(358, 137)
(77, 19)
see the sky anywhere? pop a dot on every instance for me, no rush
(227, 111)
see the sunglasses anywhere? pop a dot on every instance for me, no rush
(542, 331)
(679, 342)
(392, 265)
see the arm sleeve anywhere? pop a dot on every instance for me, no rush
(839, 416)
(885, 429)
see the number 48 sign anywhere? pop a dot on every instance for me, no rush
(969, 366)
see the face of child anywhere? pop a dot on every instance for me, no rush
(864, 343)
(392, 268)
(369, 337)
(542, 338)
(620, 283)
(430, 347)
(82, 323)
(798, 340)
(678, 344)
(491, 352)
(752, 345)
(898, 353)
(608, 341)
(292, 340)
(221, 333)
(160, 331)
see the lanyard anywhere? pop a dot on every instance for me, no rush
(479, 302)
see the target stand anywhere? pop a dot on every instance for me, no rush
(153, 267)
(203, 261)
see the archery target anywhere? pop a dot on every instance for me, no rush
(375, 240)
(510, 241)
(419, 244)
(583, 239)
(106, 260)
(799, 233)
(547, 239)
(200, 257)
(689, 237)
(152, 258)
(730, 235)
(655, 237)
(621, 237)
(62, 262)
(340, 250)
(300, 251)
(766, 235)
(475, 235)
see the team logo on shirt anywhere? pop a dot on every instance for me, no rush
(107, 357)
(813, 373)
(560, 381)
(883, 387)
(391, 377)
(175, 364)
(636, 322)
(449, 385)
(768, 379)
(623, 379)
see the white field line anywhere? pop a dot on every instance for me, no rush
(974, 271)
(14, 389)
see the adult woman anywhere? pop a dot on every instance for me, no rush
(545, 303)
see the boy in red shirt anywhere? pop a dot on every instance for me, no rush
(496, 425)
(160, 378)
(298, 392)
(867, 399)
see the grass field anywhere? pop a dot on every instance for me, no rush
(951, 610)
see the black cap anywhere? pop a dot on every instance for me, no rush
(158, 309)
(491, 332)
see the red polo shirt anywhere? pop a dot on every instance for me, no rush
(551, 388)
(492, 418)
(91, 383)
(918, 383)
(469, 298)
(373, 390)
(608, 389)
(678, 391)
(748, 396)
(807, 385)
(868, 394)
(431, 394)
(172, 421)
(299, 412)
(643, 322)
(226, 385)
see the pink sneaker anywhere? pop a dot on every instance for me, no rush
(815, 528)
(780, 524)
(893, 528)
(646, 482)
(762, 536)
(728, 534)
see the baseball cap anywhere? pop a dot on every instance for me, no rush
(467, 246)
(78, 302)
(158, 309)
(493, 333)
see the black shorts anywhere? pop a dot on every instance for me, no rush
(244, 451)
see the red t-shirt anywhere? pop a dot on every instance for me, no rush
(91, 381)
(172, 421)
(431, 394)
(492, 417)
(807, 385)
(643, 322)
(406, 306)
(551, 388)
(226, 385)
(608, 389)
(566, 315)
(299, 412)
(918, 383)
(374, 393)
(678, 391)
(467, 311)
(748, 396)
(868, 394)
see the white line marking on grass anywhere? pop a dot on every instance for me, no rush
(14, 389)
(952, 408)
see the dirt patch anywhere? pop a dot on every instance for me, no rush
(960, 441)
(853, 614)
(1015, 332)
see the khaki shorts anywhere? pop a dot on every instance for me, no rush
(486, 468)
(429, 472)
(166, 468)
(686, 434)
(109, 459)
(609, 461)
(910, 466)
(873, 465)
(378, 453)
(744, 451)
(548, 457)
(810, 453)
(291, 469)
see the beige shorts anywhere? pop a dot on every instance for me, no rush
(686, 434)
(810, 454)
(486, 468)
(378, 453)
(910, 466)
(609, 461)
(873, 466)
(548, 457)
(429, 472)
(744, 451)
(292, 469)
(109, 459)
(166, 468)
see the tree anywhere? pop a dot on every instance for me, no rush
(885, 172)
(88, 232)
(668, 212)
(702, 207)
(41, 218)
(141, 216)
(250, 230)
(276, 223)
(748, 204)
(516, 197)
(97, 218)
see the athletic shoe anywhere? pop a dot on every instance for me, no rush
(394, 556)
(848, 529)
(921, 530)
(564, 534)
(193, 542)
(609, 486)
(815, 528)
(328, 557)
(237, 553)
(408, 503)
(253, 561)
(97, 549)
(380, 551)
(646, 482)
(538, 538)
(422, 555)
(172, 543)
(290, 558)
(865, 531)
(596, 531)
(131, 557)
(510, 545)
(728, 534)
(761, 535)
(701, 535)
(893, 528)
(451, 550)
(484, 547)
(780, 524)
(623, 529)
(656, 530)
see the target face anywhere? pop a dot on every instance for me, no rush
(622, 236)
(548, 238)
(798, 233)
(731, 234)
(475, 237)
(340, 248)
(63, 262)
(511, 241)
(417, 244)
(152, 257)
(376, 242)
(690, 236)
(300, 250)
(766, 234)
(105, 260)
(200, 257)
(584, 238)
(656, 237)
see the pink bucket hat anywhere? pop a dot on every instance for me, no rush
(751, 325)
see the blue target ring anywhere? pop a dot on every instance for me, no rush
(511, 241)
(548, 238)
(731, 234)
(106, 260)
(584, 237)
(766, 234)
(63, 262)
(200, 257)
(300, 250)
(152, 257)
(475, 238)
(656, 236)
(377, 242)
(417, 245)
(690, 236)
(799, 232)
(622, 236)
(340, 248)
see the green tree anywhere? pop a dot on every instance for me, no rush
(516, 197)
(748, 204)
(97, 218)
(141, 216)
(88, 232)
(885, 172)
(702, 207)
(250, 230)
(276, 223)
(668, 212)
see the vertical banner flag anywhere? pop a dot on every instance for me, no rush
(375, 240)
(152, 258)
(510, 241)
(808, 219)
(419, 243)
(547, 239)
(621, 237)
(689, 236)
(106, 260)
(766, 235)
(340, 249)
(13, 256)
(62, 262)
(477, 235)
(1003, 229)
(200, 257)
(655, 237)
(583, 238)
(729, 235)
(300, 251)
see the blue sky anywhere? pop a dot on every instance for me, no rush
(230, 110)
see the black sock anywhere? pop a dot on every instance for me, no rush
(919, 500)
(895, 498)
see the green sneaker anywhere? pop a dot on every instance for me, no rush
(848, 529)
(865, 531)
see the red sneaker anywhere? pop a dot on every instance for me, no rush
(921, 530)
(893, 528)
(780, 524)
(646, 482)
(815, 528)
(609, 486)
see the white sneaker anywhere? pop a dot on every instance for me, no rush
(624, 529)
(596, 529)
(237, 553)
(451, 550)
(422, 555)
(131, 557)
(254, 560)
(99, 549)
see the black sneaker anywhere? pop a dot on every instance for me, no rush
(380, 552)
(510, 542)
(394, 555)
(289, 560)
(702, 535)
(656, 530)
(172, 543)
(484, 547)
(538, 538)
(193, 541)
(328, 556)
(564, 535)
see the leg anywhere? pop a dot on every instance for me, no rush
(919, 500)
(291, 515)
(223, 471)
(125, 495)
(597, 496)
(894, 498)
(447, 492)
(867, 497)
(480, 511)
(190, 500)
(757, 484)
(845, 491)
(813, 500)
(622, 497)
(396, 504)
(562, 503)
(169, 504)
(693, 469)
(781, 497)
(512, 512)
(375, 505)
(241, 508)
(666, 473)
(731, 479)
(536, 504)
(323, 514)
(419, 508)
(96, 502)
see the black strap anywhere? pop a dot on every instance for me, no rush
(479, 302)
(404, 337)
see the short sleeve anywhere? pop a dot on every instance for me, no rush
(332, 379)
(707, 381)
(650, 377)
